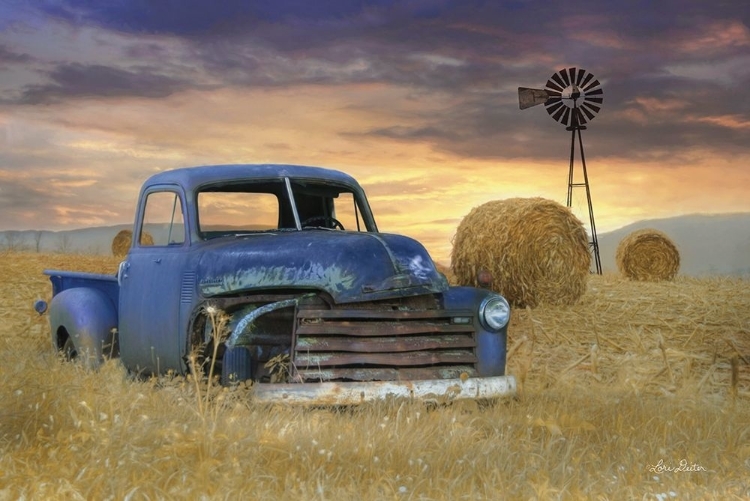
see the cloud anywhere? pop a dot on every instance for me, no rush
(184, 18)
(83, 215)
(75, 80)
(7, 56)
(414, 133)
(19, 196)
(716, 37)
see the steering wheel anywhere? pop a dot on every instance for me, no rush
(335, 223)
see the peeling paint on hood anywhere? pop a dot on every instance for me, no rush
(350, 266)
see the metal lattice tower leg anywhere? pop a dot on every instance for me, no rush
(594, 243)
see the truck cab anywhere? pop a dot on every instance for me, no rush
(315, 303)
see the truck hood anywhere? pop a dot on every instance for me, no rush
(350, 266)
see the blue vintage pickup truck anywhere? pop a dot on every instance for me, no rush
(320, 306)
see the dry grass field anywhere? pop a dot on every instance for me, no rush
(639, 391)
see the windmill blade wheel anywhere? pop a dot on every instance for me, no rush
(575, 96)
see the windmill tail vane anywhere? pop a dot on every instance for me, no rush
(531, 97)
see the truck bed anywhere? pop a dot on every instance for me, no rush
(63, 280)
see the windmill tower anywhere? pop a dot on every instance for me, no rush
(573, 97)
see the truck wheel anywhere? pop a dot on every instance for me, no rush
(69, 349)
(236, 366)
(200, 348)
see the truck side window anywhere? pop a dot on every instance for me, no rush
(163, 223)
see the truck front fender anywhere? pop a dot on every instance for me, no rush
(89, 318)
(491, 346)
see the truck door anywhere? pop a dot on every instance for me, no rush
(150, 284)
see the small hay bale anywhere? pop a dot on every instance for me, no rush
(647, 255)
(536, 251)
(121, 242)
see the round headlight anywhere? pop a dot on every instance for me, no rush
(494, 312)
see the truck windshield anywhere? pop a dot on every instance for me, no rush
(263, 206)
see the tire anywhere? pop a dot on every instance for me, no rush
(69, 349)
(236, 366)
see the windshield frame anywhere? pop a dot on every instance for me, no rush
(365, 220)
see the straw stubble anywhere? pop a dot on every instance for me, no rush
(599, 409)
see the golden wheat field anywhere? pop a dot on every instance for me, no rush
(639, 391)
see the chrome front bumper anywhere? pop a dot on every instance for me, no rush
(352, 393)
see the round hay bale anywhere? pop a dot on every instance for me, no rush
(121, 242)
(647, 255)
(535, 250)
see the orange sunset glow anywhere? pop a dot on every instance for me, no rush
(419, 104)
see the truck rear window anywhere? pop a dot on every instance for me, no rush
(221, 212)
(277, 204)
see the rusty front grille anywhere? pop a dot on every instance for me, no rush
(370, 344)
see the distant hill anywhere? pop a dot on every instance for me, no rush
(95, 240)
(708, 244)
(717, 244)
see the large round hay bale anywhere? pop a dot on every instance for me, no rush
(647, 255)
(536, 251)
(121, 242)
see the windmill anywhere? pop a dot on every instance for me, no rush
(573, 97)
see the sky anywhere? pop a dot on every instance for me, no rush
(418, 100)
